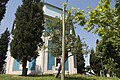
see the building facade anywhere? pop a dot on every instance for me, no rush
(45, 63)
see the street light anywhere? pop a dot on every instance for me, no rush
(63, 42)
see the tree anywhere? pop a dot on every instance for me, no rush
(2, 8)
(105, 21)
(95, 62)
(4, 40)
(72, 44)
(110, 65)
(80, 57)
(108, 21)
(27, 31)
(54, 31)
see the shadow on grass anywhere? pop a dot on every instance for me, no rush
(78, 78)
(66, 78)
(45, 75)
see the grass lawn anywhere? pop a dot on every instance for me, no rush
(51, 77)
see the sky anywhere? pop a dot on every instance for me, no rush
(90, 38)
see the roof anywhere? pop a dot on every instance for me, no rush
(53, 6)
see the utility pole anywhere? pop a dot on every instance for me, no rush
(63, 42)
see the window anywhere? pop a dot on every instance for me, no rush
(58, 60)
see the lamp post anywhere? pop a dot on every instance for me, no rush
(63, 42)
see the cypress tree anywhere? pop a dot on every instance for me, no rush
(27, 32)
(4, 40)
(95, 62)
(2, 8)
(80, 57)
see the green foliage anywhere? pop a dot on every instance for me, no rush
(80, 57)
(105, 21)
(110, 57)
(72, 44)
(54, 31)
(4, 40)
(95, 62)
(27, 31)
(78, 16)
(2, 8)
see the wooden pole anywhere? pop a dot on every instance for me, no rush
(63, 42)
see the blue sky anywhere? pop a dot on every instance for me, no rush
(90, 38)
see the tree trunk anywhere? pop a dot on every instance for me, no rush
(61, 67)
(58, 72)
(24, 64)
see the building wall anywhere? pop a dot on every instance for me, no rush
(41, 65)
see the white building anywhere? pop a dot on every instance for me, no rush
(45, 63)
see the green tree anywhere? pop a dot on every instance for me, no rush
(105, 21)
(72, 44)
(80, 57)
(27, 31)
(2, 8)
(54, 31)
(4, 40)
(95, 62)
(110, 65)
